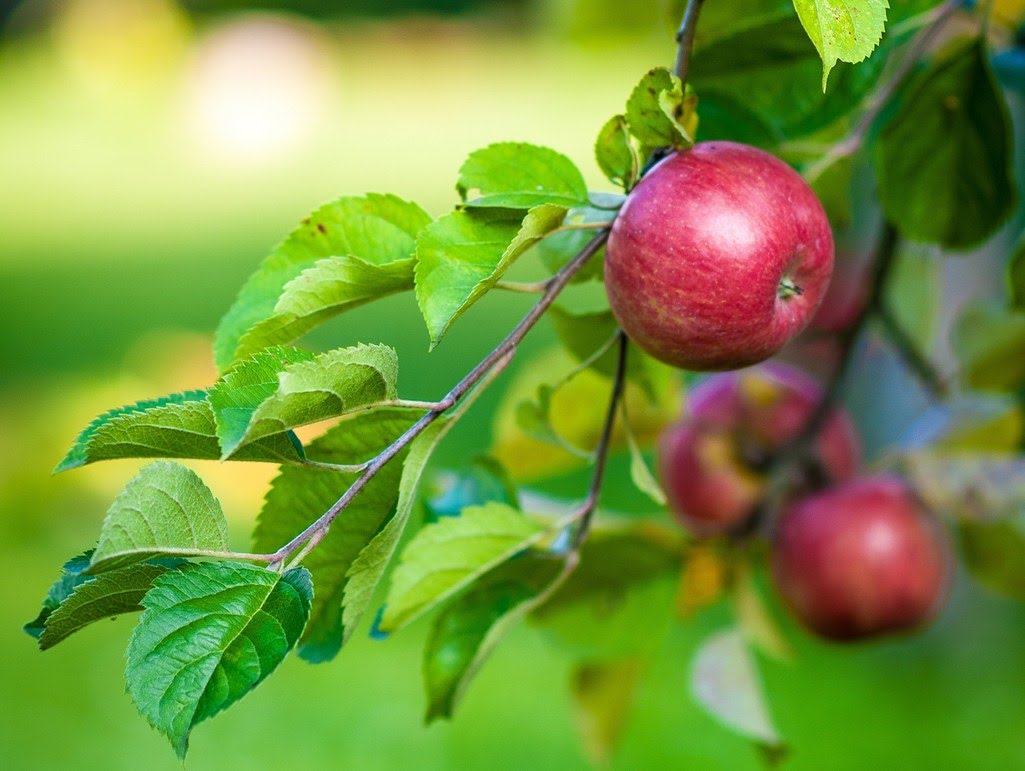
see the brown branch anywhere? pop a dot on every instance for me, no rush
(601, 453)
(685, 38)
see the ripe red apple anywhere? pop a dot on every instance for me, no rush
(712, 462)
(861, 559)
(720, 255)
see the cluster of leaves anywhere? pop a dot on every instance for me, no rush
(489, 554)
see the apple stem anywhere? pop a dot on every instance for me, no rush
(787, 289)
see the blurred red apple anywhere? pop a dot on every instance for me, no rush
(846, 297)
(712, 462)
(861, 559)
(720, 256)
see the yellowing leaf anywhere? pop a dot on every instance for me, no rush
(842, 30)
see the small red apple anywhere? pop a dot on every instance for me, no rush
(720, 255)
(861, 559)
(712, 461)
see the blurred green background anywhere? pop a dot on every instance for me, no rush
(151, 153)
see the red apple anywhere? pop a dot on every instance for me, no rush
(712, 462)
(720, 255)
(861, 559)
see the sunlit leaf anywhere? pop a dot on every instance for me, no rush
(165, 509)
(517, 175)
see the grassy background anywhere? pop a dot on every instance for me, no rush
(125, 236)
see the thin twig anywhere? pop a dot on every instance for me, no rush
(500, 355)
(908, 349)
(601, 453)
(685, 38)
(851, 143)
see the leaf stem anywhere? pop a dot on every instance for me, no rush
(497, 359)
(685, 38)
(586, 511)
(937, 18)
(917, 362)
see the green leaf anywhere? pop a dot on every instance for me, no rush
(517, 175)
(534, 418)
(584, 331)
(603, 692)
(466, 630)
(1016, 276)
(368, 568)
(842, 30)
(989, 340)
(659, 112)
(760, 79)
(559, 248)
(209, 634)
(298, 496)
(616, 154)
(984, 496)
(626, 580)
(176, 426)
(70, 578)
(377, 229)
(239, 392)
(447, 555)
(754, 618)
(96, 598)
(832, 185)
(914, 293)
(725, 682)
(943, 159)
(165, 509)
(462, 255)
(640, 474)
(330, 287)
(266, 395)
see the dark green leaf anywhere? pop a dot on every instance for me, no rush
(1016, 276)
(559, 248)
(209, 634)
(761, 81)
(449, 554)
(995, 553)
(165, 509)
(466, 631)
(105, 596)
(990, 342)
(517, 175)
(943, 159)
(377, 229)
(298, 496)
(616, 154)
(71, 577)
(462, 255)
